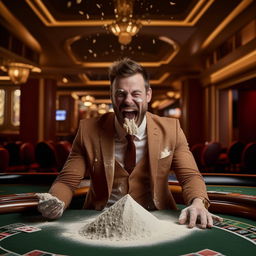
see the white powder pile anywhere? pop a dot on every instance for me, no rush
(125, 220)
(130, 126)
(125, 223)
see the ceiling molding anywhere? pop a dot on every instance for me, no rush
(49, 20)
(86, 81)
(226, 21)
(237, 66)
(95, 64)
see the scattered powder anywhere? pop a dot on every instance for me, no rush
(130, 126)
(125, 223)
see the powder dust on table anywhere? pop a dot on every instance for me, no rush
(126, 223)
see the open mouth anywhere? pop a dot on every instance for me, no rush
(130, 114)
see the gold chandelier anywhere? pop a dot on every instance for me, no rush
(18, 72)
(124, 26)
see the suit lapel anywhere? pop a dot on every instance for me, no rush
(153, 145)
(107, 147)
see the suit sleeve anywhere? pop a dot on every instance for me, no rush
(186, 170)
(73, 171)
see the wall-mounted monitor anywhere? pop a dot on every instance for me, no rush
(61, 115)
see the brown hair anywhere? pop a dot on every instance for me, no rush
(125, 68)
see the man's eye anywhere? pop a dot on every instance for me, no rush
(121, 94)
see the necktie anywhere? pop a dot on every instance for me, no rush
(130, 155)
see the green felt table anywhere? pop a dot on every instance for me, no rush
(238, 235)
(28, 188)
(51, 240)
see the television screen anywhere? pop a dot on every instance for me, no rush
(61, 115)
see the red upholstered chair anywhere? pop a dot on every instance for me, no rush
(13, 149)
(248, 162)
(210, 156)
(4, 159)
(197, 150)
(234, 154)
(46, 156)
(63, 149)
(27, 156)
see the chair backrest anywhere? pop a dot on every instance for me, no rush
(249, 157)
(27, 153)
(14, 153)
(4, 159)
(63, 149)
(197, 150)
(235, 151)
(46, 154)
(210, 154)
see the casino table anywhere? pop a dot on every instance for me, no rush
(235, 236)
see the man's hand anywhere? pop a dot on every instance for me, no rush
(197, 212)
(50, 206)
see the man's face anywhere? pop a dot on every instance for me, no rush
(130, 98)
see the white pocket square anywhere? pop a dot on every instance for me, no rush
(166, 152)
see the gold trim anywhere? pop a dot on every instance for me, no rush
(19, 29)
(5, 78)
(226, 21)
(87, 81)
(47, 18)
(70, 41)
(236, 66)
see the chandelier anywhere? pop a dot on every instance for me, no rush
(18, 72)
(124, 26)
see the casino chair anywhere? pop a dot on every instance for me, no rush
(197, 152)
(63, 149)
(210, 156)
(46, 156)
(13, 149)
(4, 159)
(14, 157)
(248, 162)
(27, 156)
(234, 155)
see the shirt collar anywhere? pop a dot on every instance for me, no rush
(141, 129)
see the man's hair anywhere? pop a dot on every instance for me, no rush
(125, 68)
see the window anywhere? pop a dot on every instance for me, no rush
(2, 103)
(15, 115)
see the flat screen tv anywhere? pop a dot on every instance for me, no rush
(61, 115)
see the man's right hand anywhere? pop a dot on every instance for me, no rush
(50, 206)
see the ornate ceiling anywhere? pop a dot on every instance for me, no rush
(76, 42)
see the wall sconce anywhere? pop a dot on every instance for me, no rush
(19, 72)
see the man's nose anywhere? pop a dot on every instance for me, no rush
(128, 98)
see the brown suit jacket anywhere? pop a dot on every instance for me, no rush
(93, 154)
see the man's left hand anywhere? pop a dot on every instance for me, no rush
(197, 212)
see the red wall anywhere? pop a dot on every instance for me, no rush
(247, 115)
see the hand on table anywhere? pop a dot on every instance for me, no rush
(197, 212)
(50, 206)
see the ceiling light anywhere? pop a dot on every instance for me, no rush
(18, 72)
(124, 26)
(87, 100)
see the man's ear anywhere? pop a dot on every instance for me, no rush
(149, 95)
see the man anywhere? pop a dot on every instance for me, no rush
(138, 164)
